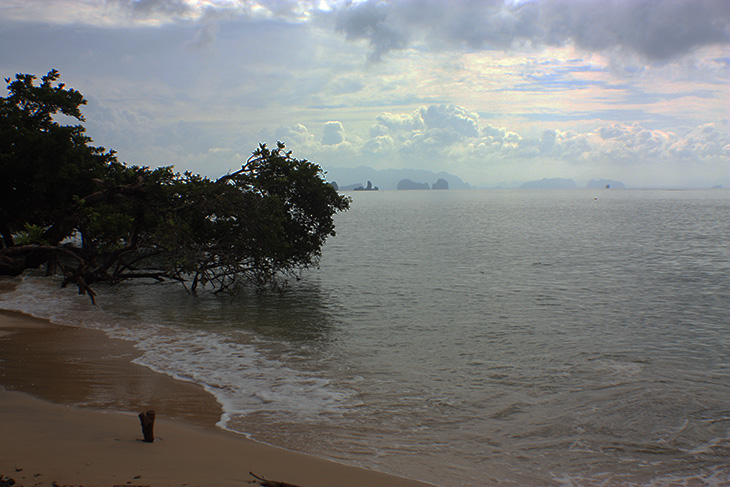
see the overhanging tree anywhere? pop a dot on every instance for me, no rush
(80, 212)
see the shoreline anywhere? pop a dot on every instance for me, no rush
(82, 367)
(68, 402)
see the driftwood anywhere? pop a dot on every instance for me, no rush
(148, 425)
(269, 483)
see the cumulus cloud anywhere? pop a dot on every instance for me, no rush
(333, 139)
(654, 30)
(296, 134)
(450, 137)
(451, 117)
(632, 142)
(380, 144)
(568, 144)
(706, 141)
(499, 139)
(333, 133)
(399, 121)
(428, 127)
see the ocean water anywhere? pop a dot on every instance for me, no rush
(481, 337)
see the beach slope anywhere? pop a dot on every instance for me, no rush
(47, 372)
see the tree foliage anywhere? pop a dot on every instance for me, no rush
(80, 212)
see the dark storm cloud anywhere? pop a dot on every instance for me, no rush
(657, 30)
(369, 21)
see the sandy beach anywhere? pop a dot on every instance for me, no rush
(69, 400)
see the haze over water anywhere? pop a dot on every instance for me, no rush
(471, 338)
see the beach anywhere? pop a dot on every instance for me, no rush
(68, 406)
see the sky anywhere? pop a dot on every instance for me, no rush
(493, 91)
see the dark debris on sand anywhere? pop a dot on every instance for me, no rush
(10, 482)
(268, 483)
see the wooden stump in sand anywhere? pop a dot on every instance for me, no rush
(148, 425)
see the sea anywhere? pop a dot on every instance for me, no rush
(468, 338)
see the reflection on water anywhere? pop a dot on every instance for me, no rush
(298, 315)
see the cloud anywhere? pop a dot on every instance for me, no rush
(380, 144)
(368, 20)
(149, 8)
(438, 130)
(444, 126)
(654, 30)
(451, 117)
(426, 129)
(633, 142)
(451, 138)
(205, 37)
(477, 86)
(346, 85)
(333, 133)
(399, 121)
(295, 135)
(128, 13)
(442, 137)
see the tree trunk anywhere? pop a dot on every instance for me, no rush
(148, 425)
(6, 234)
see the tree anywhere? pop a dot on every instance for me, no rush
(80, 212)
(44, 165)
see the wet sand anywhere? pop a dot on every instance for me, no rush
(78, 366)
(69, 400)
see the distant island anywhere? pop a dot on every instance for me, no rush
(369, 187)
(407, 184)
(605, 183)
(560, 183)
(348, 187)
(440, 184)
(550, 183)
(420, 179)
(388, 179)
